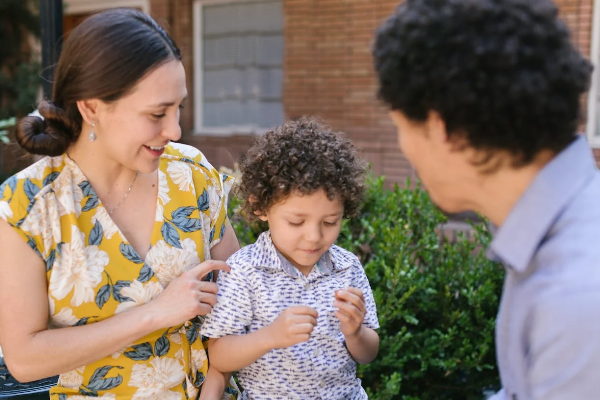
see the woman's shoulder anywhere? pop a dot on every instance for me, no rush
(186, 166)
(24, 187)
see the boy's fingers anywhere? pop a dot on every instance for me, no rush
(346, 296)
(304, 310)
(349, 309)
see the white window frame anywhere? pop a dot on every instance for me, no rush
(593, 115)
(85, 6)
(199, 128)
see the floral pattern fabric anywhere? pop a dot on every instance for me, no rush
(94, 273)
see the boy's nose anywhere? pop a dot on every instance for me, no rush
(313, 234)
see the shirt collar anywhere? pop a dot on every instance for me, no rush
(272, 259)
(554, 187)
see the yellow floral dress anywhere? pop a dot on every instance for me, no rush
(94, 273)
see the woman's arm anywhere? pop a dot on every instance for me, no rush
(32, 351)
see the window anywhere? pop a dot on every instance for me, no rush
(238, 65)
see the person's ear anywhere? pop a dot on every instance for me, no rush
(89, 110)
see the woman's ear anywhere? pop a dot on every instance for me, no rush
(88, 110)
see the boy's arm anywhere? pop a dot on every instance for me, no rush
(214, 385)
(234, 352)
(363, 346)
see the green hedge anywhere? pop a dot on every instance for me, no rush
(436, 301)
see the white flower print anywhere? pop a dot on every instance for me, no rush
(78, 269)
(35, 171)
(139, 294)
(69, 196)
(175, 337)
(72, 379)
(160, 211)
(181, 174)
(107, 396)
(191, 389)
(155, 379)
(119, 353)
(109, 228)
(5, 210)
(163, 188)
(63, 319)
(199, 357)
(186, 151)
(44, 220)
(168, 262)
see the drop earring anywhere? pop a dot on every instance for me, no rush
(92, 134)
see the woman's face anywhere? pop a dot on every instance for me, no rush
(134, 130)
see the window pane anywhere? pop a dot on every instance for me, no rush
(243, 49)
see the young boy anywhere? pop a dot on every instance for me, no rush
(296, 312)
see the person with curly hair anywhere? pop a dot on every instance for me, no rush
(296, 312)
(485, 95)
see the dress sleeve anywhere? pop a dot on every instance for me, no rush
(16, 202)
(232, 315)
(213, 193)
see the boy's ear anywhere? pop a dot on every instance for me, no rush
(261, 216)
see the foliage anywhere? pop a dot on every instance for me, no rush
(4, 125)
(19, 75)
(436, 300)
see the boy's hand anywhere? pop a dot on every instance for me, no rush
(351, 312)
(293, 326)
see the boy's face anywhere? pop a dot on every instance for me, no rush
(303, 228)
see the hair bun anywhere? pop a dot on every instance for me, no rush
(50, 135)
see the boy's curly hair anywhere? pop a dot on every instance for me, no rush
(503, 72)
(301, 156)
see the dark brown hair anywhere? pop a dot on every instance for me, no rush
(103, 58)
(301, 156)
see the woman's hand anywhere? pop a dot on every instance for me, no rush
(187, 296)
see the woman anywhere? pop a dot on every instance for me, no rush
(106, 239)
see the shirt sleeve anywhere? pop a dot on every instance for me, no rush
(564, 347)
(362, 282)
(232, 315)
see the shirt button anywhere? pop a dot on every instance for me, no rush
(316, 352)
(323, 384)
(307, 286)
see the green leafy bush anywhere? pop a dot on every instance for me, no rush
(436, 300)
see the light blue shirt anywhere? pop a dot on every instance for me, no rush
(262, 283)
(548, 326)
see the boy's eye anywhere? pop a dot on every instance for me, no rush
(333, 223)
(295, 224)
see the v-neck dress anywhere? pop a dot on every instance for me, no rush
(94, 273)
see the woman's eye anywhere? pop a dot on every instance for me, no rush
(158, 115)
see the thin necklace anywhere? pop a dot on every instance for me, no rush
(126, 194)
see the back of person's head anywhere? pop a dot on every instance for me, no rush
(502, 74)
(301, 157)
(103, 58)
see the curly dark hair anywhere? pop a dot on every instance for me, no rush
(301, 156)
(501, 73)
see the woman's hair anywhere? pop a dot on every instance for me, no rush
(503, 74)
(301, 157)
(103, 58)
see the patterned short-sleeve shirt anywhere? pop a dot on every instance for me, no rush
(262, 283)
(94, 273)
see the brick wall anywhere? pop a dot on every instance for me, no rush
(329, 73)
